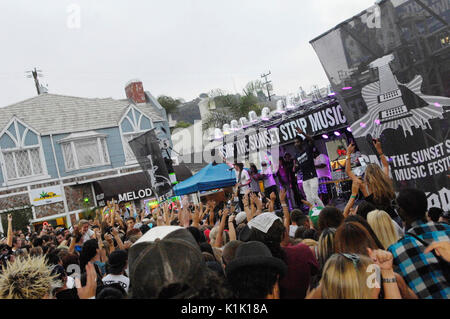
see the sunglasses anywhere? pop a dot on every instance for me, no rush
(353, 257)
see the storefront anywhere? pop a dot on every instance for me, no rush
(132, 190)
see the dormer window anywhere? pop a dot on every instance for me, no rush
(84, 150)
(133, 124)
(21, 152)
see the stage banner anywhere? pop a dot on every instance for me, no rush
(267, 137)
(389, 67)
(146, 148)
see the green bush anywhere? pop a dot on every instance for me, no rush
(21, 219)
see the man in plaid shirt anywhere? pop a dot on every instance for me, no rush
(422, 272)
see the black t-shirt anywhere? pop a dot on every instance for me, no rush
(305, 162)
(387, 207)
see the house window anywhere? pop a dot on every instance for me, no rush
(133, 124)
(129, 155)
(21, 154)
(23, 163)
(85, 153)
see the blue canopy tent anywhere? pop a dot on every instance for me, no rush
(208, 178)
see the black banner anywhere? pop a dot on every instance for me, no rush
(147, 150)
(324, 119)
(389, 67)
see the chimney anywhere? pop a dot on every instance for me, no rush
(135, 91)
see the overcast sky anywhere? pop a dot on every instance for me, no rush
(179, 48)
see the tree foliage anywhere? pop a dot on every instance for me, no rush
(231, 106)
(168, 103)
(182, 124)
(20, 219)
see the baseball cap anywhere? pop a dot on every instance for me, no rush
(240, 217)
(263, 222)
(166, 262)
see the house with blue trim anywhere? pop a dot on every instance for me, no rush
(63, 145)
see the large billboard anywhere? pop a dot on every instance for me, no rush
(390, 69)
(147, 150)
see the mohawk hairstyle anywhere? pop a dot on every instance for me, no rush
(27, 278)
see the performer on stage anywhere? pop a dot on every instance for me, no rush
(322, 163)
(243, 181)
(289, 163)
(304, 162)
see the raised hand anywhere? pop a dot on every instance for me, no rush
(377, 145)
(89, 290)
(245, 200)
(307, 204)
(356, 185)
(299, 130)
(442, 248)
(114, 231)
(196, 217)
(282, 195)
(256, 201)
(108, 238)
(273, 196)
(382, 258)
(351, 149)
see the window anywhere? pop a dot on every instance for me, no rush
(133, 124)
(85, 153)
(21, 153)
(22, 163)
(129, 155)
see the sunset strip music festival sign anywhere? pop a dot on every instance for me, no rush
(392, 80)
(259, 139)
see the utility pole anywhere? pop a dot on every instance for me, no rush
(36, 74)
(268, 85)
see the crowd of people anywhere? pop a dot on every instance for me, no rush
(383, 245)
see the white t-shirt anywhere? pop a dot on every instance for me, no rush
(292, 230)
(269, 180)
(88, 235)
(117, 279)
(323, 172)
(245, 178)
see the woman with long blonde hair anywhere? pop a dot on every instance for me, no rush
(382, 225)
(354, 276)
(376, 184)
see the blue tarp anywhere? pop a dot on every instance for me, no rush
(208, 178)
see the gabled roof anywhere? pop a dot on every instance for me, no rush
(56, 114)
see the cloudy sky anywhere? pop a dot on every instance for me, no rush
(176, 47)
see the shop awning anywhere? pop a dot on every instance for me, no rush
(132, 186)
(113, 187)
